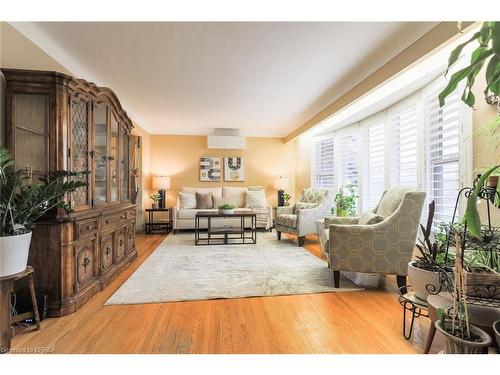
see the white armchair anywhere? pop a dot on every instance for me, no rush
(301, 218)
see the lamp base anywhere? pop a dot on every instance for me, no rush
(281, 200)
(163, 198)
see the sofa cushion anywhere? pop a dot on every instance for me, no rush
(216, 191)
(287, 220)
(235, 194)
(204, 201)
(219, 201)
(390, 201)
(187, 200)
(255, 198)
(369, 218)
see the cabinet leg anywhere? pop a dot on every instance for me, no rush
(300, 240)
(278, 234)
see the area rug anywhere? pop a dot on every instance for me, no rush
(180, 271)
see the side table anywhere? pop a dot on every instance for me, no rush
(6, 318)
(412, 305)
(158, 226)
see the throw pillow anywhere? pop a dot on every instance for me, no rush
(255, 198)
(303, 205)
(204, 201)
(369, 218)
(187, 200)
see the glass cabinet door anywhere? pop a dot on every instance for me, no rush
(113, 159)
(124, 159)
(79, 150)
(100, 153)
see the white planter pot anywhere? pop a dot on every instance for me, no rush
(422, 281)
(227, 212)
(14, 252)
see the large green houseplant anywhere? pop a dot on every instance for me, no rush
(22, 204)
(486, 54)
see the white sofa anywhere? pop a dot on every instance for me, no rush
(184, 218)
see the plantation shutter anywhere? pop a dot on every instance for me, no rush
(348, 145)
(403, 120)
(324, 166)
(442, 147)
(374, 161)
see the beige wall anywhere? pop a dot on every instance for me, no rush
(179, 157)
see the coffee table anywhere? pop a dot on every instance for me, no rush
(232, 235)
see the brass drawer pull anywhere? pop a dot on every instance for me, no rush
(108, 251)
(121, 242)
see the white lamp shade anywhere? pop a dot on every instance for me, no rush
(161, 182)
(281, 183)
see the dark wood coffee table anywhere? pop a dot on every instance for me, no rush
(226, 235)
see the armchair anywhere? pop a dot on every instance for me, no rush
(385, 247)
(301, 218)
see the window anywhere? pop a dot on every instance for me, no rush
(373, 161)
(413, 143)
(324, 166)
(403, 124)
(442, 151)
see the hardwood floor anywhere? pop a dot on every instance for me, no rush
(352, 322)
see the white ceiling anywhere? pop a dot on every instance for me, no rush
(265, 79)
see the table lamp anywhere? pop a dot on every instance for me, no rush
(161, 183)
(280, 184)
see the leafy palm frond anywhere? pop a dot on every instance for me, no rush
(21, 204)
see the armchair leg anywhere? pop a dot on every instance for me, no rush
(301, 240)
(401, 281)
(278, 234)
(336, 279)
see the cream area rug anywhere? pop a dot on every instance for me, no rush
(180, 271)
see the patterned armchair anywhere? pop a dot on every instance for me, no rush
(385, 247)
(301, 218)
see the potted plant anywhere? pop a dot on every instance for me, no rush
(423, 273)
(22, 204)
(155, 198)
(345, 201)
(226, 209)
(486, 53)
(286, 197)
(454, 323)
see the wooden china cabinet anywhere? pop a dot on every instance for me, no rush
(57, 122)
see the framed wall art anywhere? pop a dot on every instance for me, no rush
(210, 168)
(234, 168)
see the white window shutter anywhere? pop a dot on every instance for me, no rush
(324, 163)
(373, 131)
(442, 145)
(403, 122)
(348, 157)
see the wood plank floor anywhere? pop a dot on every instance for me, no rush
(352, 322)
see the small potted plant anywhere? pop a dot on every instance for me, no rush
(423, 273)
(155, 198)
(345, 201)
(454, 322)
(22, 204)
(286, 198)
(226, 209)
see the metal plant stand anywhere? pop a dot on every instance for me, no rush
(412, 306)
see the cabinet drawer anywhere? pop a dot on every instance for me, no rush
(130, 237)
(120, 244)
(107, 247)
(110, 221)
(131, 214)
(86, 263)
(86, 228)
